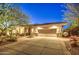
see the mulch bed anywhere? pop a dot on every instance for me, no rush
(74, 49)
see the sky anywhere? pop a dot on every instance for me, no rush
(43, 12)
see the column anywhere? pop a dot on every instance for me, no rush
(61, 30)
(36, 31)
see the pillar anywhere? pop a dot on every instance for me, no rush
(36, 31)
(59, 31)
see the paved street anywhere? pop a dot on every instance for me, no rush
(36, 46)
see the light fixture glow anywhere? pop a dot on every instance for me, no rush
(53, 27)
(39, 28)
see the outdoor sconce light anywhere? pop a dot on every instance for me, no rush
(52, 27)
(39, 28)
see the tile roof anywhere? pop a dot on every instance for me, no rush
(50, 23)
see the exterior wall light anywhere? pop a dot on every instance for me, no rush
(39, 28)
(53, 27)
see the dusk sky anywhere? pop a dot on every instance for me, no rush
(43, 13)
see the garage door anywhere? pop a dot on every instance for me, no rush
(47, 32)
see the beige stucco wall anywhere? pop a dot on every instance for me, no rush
(58, 27)
(34, 29)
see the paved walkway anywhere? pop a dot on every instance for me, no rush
(36, 46)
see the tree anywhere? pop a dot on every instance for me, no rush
(10, 16)
(72, 15)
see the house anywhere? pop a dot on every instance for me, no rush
(46, 29)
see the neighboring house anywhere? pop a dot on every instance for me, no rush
(47, 29)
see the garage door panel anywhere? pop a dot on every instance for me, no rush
(48, 35)
(47, 32)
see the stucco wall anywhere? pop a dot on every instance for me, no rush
(48, 29)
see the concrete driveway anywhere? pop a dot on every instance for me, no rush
(36, 46)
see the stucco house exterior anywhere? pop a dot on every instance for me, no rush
(46, 29)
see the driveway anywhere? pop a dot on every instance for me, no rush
(36, 46)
